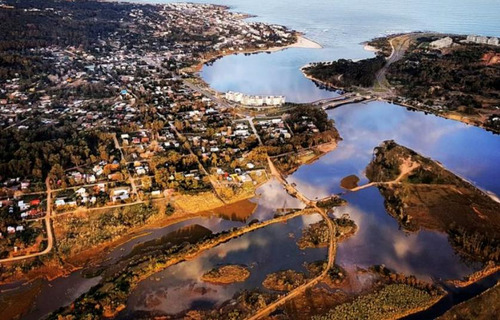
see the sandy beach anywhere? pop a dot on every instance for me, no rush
(302, 42)
(370, 48)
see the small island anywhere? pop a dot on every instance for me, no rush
(349, 182)
(226, 274)
(284, 280)
(316, 235)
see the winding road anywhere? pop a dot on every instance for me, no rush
(48, 227)
(332, 248)
(399, 46)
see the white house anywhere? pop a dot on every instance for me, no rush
(441, 43)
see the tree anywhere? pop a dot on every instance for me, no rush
(56, 172)
(146, 182)
(162, 177)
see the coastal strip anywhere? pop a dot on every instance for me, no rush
(301, 43)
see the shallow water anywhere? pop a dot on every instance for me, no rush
(264, 251)
(425, 254)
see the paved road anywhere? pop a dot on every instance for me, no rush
(336, 104)
(250, 120)
(398, 52)
(326, 100)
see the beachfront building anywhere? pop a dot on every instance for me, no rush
(255, 101)
(483, 40)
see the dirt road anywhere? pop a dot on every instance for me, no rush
(332, 249)
(48, 227)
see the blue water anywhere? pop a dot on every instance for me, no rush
(468, 151)
(339, 26)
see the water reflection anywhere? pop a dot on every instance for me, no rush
(265, 251)
(467, 151)
(214, 224)
(239, 73)
(58, 293)
(471, 152)
(271, 197)
(426, 254)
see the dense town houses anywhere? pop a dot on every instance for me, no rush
(105, 115)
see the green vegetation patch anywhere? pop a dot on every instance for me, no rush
(315, 235)
(347, 73)
(391, 302)
(226, 274)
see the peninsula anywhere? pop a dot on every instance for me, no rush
(420, 193)
(454, 76)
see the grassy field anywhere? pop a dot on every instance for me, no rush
(79, 232)
(391, 302)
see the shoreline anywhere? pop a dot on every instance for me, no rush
(445, 115)
(301, 43)
(321, 82)
(370, 48)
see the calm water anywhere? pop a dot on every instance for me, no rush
(264, 251)
(468, 151)
(425, 254)
(339, 26)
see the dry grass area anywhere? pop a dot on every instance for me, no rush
(426, 195)
(437, 207)
(239, 208)
(204, 201)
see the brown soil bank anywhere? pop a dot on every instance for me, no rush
(226, 274)
(432, 197)
(349, 182)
